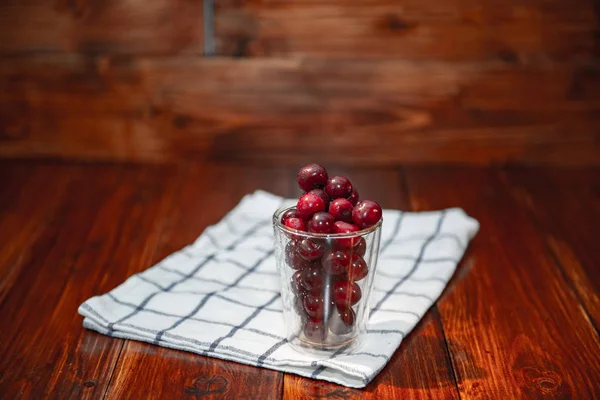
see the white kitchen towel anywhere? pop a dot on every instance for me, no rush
(219, 297)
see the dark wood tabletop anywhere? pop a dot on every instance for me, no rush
(519, 319)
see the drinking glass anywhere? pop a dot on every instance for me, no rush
(326, 283)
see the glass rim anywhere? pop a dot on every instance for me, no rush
(362, 232)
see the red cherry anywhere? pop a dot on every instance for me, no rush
(358, 268)
(315, 330)
(311, 249)
(314, 305)
(353, 197)
(323, 195)
(296, 223)
(291, 213)
(341, 210)
(361, 247)
(321, 222)
(342, 320)
(293, 258)
(336, 262)
(312, 278)
(346, 293)
(338, 186)
(311, 176)
(344, 227)
(347, 315)
(309, 204)
(366, 213)
(296, 282)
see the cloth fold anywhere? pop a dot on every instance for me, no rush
(219, 297)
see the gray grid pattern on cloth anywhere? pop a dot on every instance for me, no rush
(177, 302)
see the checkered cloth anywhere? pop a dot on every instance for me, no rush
(219, 297)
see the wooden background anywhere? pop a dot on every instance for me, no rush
(348, 82)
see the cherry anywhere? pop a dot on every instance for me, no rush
(291, 213)
(311, 249)
(366, 213)
(322, 194)
(292, 245)
(309, 204)
(296, 282)
(358, 268)
(314, 305)
(311, 176)
(294, 260)
(341, 321)
(335, 262)
(312, 278)
(361, 247)
(353, 197)
(299, 305)
(341, 210)
(296, 223)
(338, 186)
(346, 293)
(321, 222)
(345, 227)
(315, 330)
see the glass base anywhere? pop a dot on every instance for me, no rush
(304, 346)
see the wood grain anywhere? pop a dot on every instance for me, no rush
(512, 318)
(283, 111)
(101, 27)
(102, 234)
(26, 191)
(456, 30)
(421, 367)
(203, 197)
(566, 205)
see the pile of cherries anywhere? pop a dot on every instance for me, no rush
(327, 268)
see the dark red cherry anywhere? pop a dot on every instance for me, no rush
(312, 278)
(321, 222)
(311, 249)
(295, 261)
(291, 213)
(346, 293)
(314, 305)
(358, 268)
(323, 195)
(338, 186)
(296, 223)
(353, 197)
(312, 176)
(361, 247)
(315, 330)
(341, 210)
(309, 204)
(366, 213)
(335, 262)
(292, 245)
(345, 227)
(342, 320)
(296, 282)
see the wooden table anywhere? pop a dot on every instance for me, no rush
(519, 319)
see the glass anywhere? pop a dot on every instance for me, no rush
(326, 282)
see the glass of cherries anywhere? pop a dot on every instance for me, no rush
(326, 250)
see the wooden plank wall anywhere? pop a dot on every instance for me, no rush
(348, 82)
